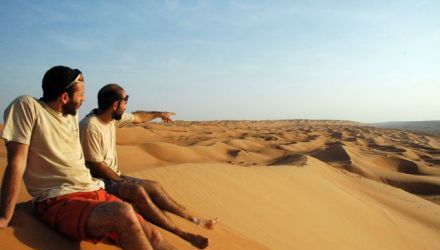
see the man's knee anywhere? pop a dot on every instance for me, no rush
(153, 187)
(124, 213)
(111, 216)
(138, 190)
(140, 195)
(156, 185)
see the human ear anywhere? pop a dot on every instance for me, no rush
(115, 105)
(64, 98)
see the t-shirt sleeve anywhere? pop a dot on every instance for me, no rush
(127, 119)
(91, 142)
(19, 120)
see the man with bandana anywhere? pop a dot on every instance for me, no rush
(43, 145)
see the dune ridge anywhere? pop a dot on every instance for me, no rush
(278, 185)
(341, 144)
(308, 207)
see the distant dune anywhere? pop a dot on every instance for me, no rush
(292, 184)
(430, 127)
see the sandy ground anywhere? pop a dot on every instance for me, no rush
(278, 185)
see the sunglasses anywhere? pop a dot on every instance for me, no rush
(125, 98)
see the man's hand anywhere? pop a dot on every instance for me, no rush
(166, 116)
(3, 223)
(17, 157)
(146, 116)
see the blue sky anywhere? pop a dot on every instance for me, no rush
(368, 61)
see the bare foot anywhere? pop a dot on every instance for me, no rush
(159, 243)
(208, 224)
(162, 245)
(197, 240)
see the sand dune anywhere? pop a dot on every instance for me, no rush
(334, 142)
(431, 127)
(297, 184)
(308, 207)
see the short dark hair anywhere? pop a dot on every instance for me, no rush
(109, 94)
(57, 80)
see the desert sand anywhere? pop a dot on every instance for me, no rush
(297, 184)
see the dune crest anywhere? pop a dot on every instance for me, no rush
(310, 207)
(296, 184)
(342, 144)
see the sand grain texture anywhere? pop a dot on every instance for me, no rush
(296, 184)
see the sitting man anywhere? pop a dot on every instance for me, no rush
(42, 140)
(98, 139)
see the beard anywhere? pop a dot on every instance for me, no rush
(69, 108)
(117, 115)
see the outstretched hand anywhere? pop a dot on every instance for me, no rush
(166, 116)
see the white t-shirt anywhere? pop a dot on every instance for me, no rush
(55, 164)
(98, 139)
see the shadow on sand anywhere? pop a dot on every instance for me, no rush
(35, 234)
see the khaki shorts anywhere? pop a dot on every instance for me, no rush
(112, 187)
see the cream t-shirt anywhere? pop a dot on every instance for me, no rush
(55, 164)
(98, 139)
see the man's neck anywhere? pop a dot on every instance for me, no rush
(105, 116)
(56, 106)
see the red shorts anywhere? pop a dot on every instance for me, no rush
(69, 213)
